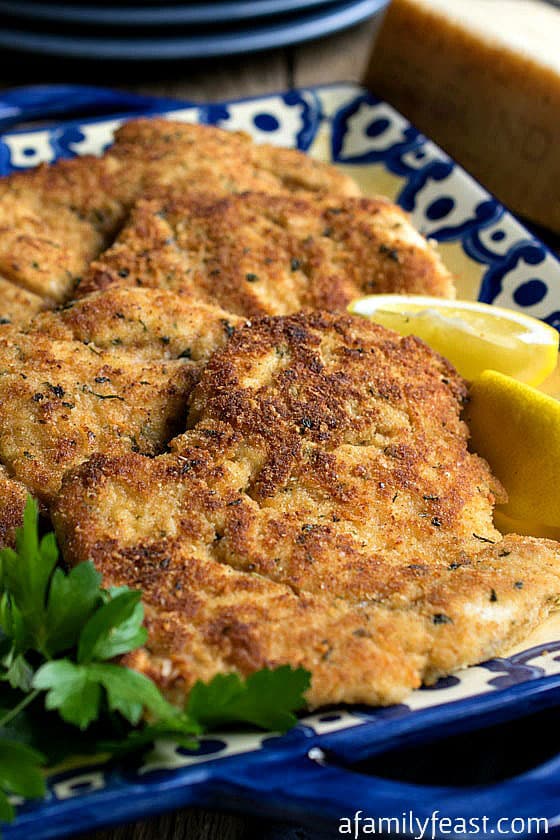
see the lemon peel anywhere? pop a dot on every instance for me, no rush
(474, 336)
(517, 429)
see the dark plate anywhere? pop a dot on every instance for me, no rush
(150, 15)
(206, 44)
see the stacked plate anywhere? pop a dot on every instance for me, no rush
(143, 31)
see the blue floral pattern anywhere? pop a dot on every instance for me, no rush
(348, 126)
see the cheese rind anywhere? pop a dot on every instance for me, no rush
(458, 72)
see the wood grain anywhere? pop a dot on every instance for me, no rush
(232, 78)
(188, 824)
(338, 58)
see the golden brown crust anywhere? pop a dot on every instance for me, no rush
(110, 373)
(206, 618)
(55, 219)
(205, 157)
(12, 502)
(48, 232)
(323, 489)
(258, 254)
(18, 305)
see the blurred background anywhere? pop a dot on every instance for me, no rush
(212, 50)
(480, 77)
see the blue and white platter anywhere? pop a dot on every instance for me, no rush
(306, 775)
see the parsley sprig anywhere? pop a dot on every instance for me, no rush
(60, 634)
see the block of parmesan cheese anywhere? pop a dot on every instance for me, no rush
(482, 79)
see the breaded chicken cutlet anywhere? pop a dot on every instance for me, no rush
(13, 495)
(257, 254)
(110, 373)
(322, 509)
(55, 219)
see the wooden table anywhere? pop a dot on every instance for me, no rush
(338, 58)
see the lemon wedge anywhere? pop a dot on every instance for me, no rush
(506, 525)
(473, 336)
(517, 429)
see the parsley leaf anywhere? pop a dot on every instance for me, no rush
(138, 739)
(25, 574)
(76, 692)
(18, 672)
(114, 629)
(72, 599)
(70, 691)
(129, 692)
(11, 626)
(19, 774)
(59, 636)
(267, 698)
